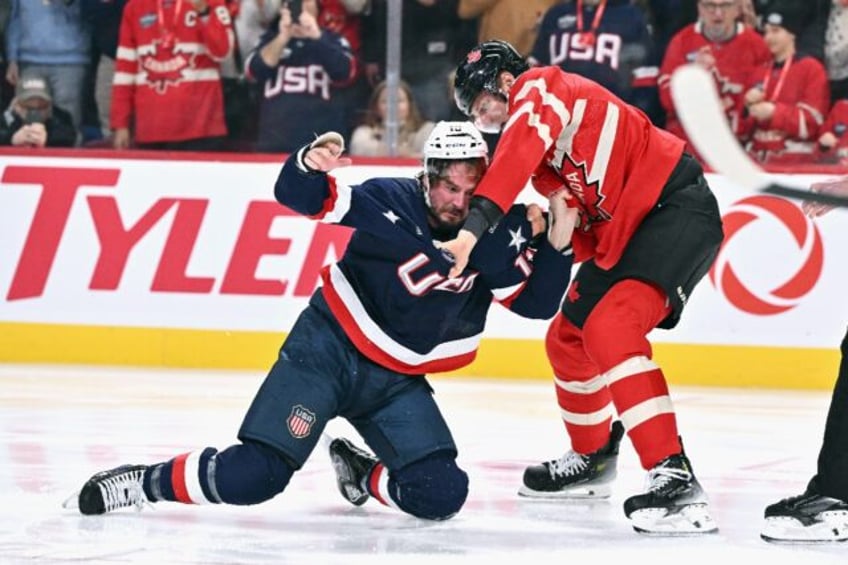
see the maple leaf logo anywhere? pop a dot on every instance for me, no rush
(587, 192)
(165, 66)
(474, 56)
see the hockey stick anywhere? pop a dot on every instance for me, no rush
(699, 109)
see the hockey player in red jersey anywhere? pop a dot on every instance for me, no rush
(649, 230)
(166, 92)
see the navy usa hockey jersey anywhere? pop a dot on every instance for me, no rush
(609, 43)
(390, 291)
(300, 95)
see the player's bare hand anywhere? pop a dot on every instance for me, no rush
(326, 158)
(564, 219)
(836, 186)
(536, 218)
(325, 153)
(460, 249)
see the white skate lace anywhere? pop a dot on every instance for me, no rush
(569, 464)
(123, 490)
(659, 477)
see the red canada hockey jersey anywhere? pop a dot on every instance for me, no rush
(837, 124)
(167, 82)
(566, 131)
(734, 61)
(800, 92)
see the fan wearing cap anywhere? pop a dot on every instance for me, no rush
(32, 120)
(787, 98)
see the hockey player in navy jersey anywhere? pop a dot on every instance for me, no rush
(386, 314)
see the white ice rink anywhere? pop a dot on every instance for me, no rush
(60, 425)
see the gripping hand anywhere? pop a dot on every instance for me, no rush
(563, 219)
(324, 154)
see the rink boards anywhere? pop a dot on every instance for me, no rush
(187, 261)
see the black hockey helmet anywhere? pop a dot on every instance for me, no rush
(480, 69)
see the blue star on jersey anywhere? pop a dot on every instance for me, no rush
(390, 291)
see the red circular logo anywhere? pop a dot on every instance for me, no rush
(779, 296)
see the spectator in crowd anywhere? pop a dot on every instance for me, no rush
(788, 97)
(836, 50)
(32, 120)
(688, 13)
(513, 21)
(241, 97)
(812, 23)
(369, 139)
(7, 91)
(723, 45)
(104, 19)
(666, 18)
(345, 17)
(833, 143)
(433, 38)
(252, 20)
(167, 87)
(607, 41)
(300, 68)
(51, 40)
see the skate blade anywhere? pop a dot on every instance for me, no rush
(72, 502)
(785, 530)
(599, 492)
(689, 520)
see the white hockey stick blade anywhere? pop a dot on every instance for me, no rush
(699, 109)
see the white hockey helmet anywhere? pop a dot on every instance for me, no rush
(454, 141)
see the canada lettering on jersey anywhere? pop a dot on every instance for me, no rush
(309, 79)
(587, 192)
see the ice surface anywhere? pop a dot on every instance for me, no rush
(59, 425)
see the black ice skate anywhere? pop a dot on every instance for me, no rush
(575, 475)
(674, 504)
(806, 518)
(110, 490)
(352, 466)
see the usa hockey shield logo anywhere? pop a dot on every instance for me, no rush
(300, 422)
